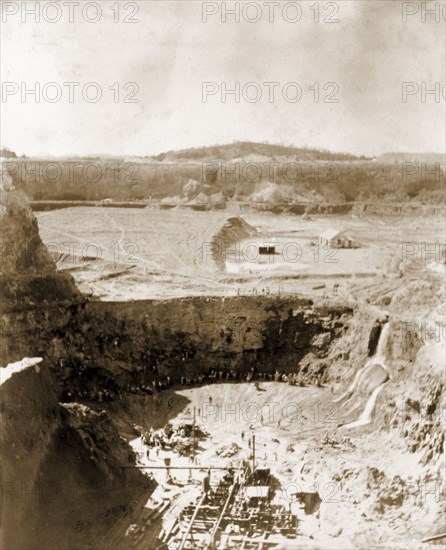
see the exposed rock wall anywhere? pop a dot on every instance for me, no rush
(30, 418)
(137, 341)
(28, 275)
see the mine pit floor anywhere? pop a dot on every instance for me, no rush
(299, 436)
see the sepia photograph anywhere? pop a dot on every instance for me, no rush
(223, 275)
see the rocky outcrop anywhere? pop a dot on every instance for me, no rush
(423, 409)
(30, 419)
(28, 276)
(33, 294)
(123, 342)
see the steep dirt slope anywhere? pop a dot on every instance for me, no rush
(233, 230)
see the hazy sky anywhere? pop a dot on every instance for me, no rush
(171, 52)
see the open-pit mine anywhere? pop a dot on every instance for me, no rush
(222, 275)
(191, 395)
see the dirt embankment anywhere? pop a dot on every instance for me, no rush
(234, 230)
(343, 208)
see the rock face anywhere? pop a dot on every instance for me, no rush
(126, 342)
(422, 411)
(29, 280)
(62, 465)
(28, 276)
(30, 418)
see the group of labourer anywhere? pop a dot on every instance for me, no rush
(109, 390)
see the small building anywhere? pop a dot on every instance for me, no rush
(267, 250)
(333, 238)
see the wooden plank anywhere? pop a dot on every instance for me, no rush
(217, 523)
(189, 527)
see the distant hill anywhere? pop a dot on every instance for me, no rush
(243, 149)
(208, 177)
